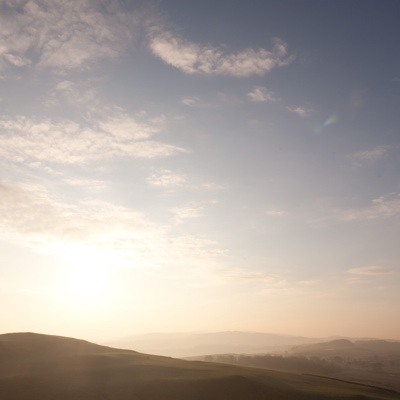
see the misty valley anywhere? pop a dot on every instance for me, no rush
(371, 362)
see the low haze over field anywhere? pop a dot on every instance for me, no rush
(182, 165)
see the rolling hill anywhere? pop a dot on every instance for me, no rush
(42, 367)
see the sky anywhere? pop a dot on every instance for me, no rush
(181, 166)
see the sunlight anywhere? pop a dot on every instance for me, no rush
(87, 281)
(87, 275)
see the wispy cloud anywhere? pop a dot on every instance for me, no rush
(78, 94)
(190, 101)
(381, 207)
(265, 283)
(189, 211)
(24, 140)
(241, 275)
(123, 127)
(301, 111)
(274, 213)
(28, 213)
(369, 156)
(88, 184)
(62, 35)
(31, 212)
(167, 179)
(212, 186)
(16, 60)
(260, 94)
(192, 58)
(370, 270)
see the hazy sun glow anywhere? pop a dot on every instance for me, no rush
(86, 277)
(87, 281)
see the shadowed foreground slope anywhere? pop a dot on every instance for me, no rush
(45, 367)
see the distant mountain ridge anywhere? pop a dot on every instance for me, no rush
(197, 344)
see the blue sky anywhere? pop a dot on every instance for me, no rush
(183, 166)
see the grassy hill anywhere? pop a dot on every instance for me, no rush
(41, 367)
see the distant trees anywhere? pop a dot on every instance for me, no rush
(299, 364)
(312, 364)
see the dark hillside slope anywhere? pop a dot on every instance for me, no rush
(40, 367)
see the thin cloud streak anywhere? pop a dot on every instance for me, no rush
(260, 94)
(191, 101)
(275, 213)
(192, 58)
(241, 275)
(369, 156)
(187, 212)
(165, 178)
(267, 284)
(371, 270)
(301, 111)
(381, 207)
